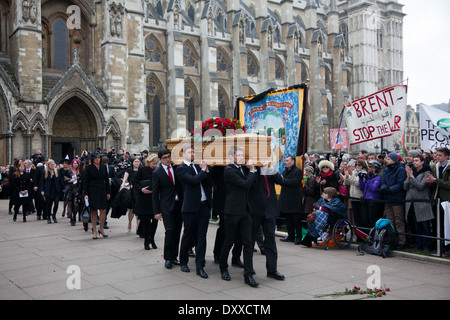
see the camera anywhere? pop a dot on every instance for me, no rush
(363, 175)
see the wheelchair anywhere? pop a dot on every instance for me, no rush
(337, 231)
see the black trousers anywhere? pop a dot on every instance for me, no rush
(238, 225)
(148, 226)
(294, 225)
(173, 222)
(270, 246)
(220, 238)
(195, 229)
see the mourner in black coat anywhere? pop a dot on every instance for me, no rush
(143, 207)
(22, 191)
(237, 213)
(197, 187)
(291, 200)
(167, 197)
(97, 191)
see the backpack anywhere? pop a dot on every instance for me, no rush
(381, 238)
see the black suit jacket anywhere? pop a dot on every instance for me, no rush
(191, 181)
(264, 202)
(238, 188)
(291, 188)
(163, 191)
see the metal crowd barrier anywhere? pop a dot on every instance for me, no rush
(432, 202)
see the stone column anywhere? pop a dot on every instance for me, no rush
(26, 41)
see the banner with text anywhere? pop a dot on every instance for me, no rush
(434, 128)
(377, 116)
(279, 114)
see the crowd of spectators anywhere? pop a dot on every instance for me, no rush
(387, 185)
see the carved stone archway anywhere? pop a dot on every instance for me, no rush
(74, 126)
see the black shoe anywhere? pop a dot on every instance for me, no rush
(154, 246)
(298, 241)
(49, 221)
(248, 279)
(175, 262)
(225, 275)
(238, 264)
(185, 268)
(103, 234)
(54, 220)
(146, 246)
(168, 264)
(307, 241)
(275, 275)
(202, 274)
(39, 218)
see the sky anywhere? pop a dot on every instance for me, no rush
(426, 47)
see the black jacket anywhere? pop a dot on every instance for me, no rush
(143, 205)
(96, 186)
(191, 181)
(263, 201)
(238, 189)
(163, 191)
(290, 195)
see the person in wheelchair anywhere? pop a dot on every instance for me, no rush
(328, 208)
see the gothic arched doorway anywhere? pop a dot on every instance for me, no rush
(74, 129)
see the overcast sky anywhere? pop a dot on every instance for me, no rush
(426, 45)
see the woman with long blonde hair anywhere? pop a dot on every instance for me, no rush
(52, 187)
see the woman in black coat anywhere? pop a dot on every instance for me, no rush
(143, 207)
(97, 191)
(22, 191)
(52, 186)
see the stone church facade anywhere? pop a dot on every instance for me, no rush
(77, 74)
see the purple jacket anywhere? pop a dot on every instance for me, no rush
(370, 187)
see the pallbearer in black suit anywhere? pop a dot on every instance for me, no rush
(167, 197)
(197, 203)
(238, 220)
(264, 207)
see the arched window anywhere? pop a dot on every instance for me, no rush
(152, 51)
(222, 61)
(279, 69)
(189, 56)
(159, 9)
(154, 110)
(190, 100)
(60, 51)
(191, 13)
(252, 65)
(223, 102)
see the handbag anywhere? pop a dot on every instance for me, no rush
(86, 215)
(343, 190)
(311, 218)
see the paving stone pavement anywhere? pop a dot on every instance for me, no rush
(36, 261)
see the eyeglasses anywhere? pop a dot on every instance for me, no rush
(166, 157)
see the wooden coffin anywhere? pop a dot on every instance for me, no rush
(256, 148)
